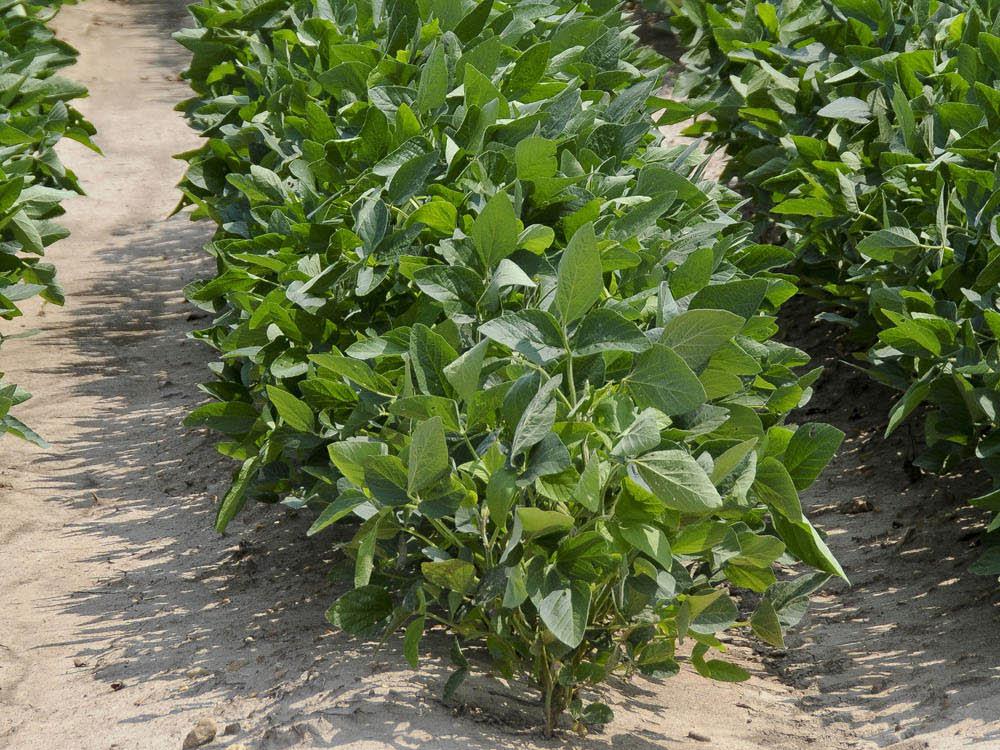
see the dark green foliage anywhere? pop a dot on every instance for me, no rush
(868, 131)
(468, 303)
(34, 115)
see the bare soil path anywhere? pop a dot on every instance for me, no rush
(124, 618)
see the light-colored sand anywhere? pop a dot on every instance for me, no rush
(124, 618)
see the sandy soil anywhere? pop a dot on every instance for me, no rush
(124, 619)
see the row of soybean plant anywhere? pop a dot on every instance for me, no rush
(867, 131)
(509, 347)
(35, 113)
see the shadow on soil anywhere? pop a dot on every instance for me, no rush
(912, 643)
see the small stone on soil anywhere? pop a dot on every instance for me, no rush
(204, 732)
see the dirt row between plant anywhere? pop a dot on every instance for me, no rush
(124, 619)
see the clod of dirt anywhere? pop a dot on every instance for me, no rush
(203, 733)
(698, 737)
(233, 728)
(856, 505)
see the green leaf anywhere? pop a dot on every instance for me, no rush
(535, 158)
(464, 372)
(411, 178)
(649, 540)
(428, 461)
(678, 481)
(295, 412)
(349, 457)
(910, 400)
(538, 522)
(537, 419)
(424, 407)
(532, 333)
(236, 494)
(776, 489)
(588, 487)
(430, 353)
(340, 508)
(495, 231)
(454, 575)
(887, 244)
(804, 207)
(565, 609)
(458, 676)
(766, 625)
(604, 330)
(411, 641)
(354, 370)
(662, 380)
(364, 563)
(580, 282)
(716, 669)
(441, 216)
(809, 451)
(847, 108)
(529, 68)
(433, 86)
(805, 543)
(696, 335)
(359, 610)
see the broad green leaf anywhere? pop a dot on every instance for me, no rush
(430, 353)
(537, 420)
(428, 461)
(535, 158)
(532, 333)
(565, 608)
(364, 563)
(495, 231)
(529, 68)
(349, 457)
(696, 335)
(766, 625)
(910, 400)
(662, 380)
(886, 244)
(463, 373)
(588, 487)
(580, 281)
(649, 540)
(295, 412)
(847, 108)
(537, 522)
(340, 508)
(678, 481)
(433, 86)
(361, 609)
(439, 215)
(716, 669)
(809, 451)
(776, 489)
(455, 575)
(805, 543)
(604, 330)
